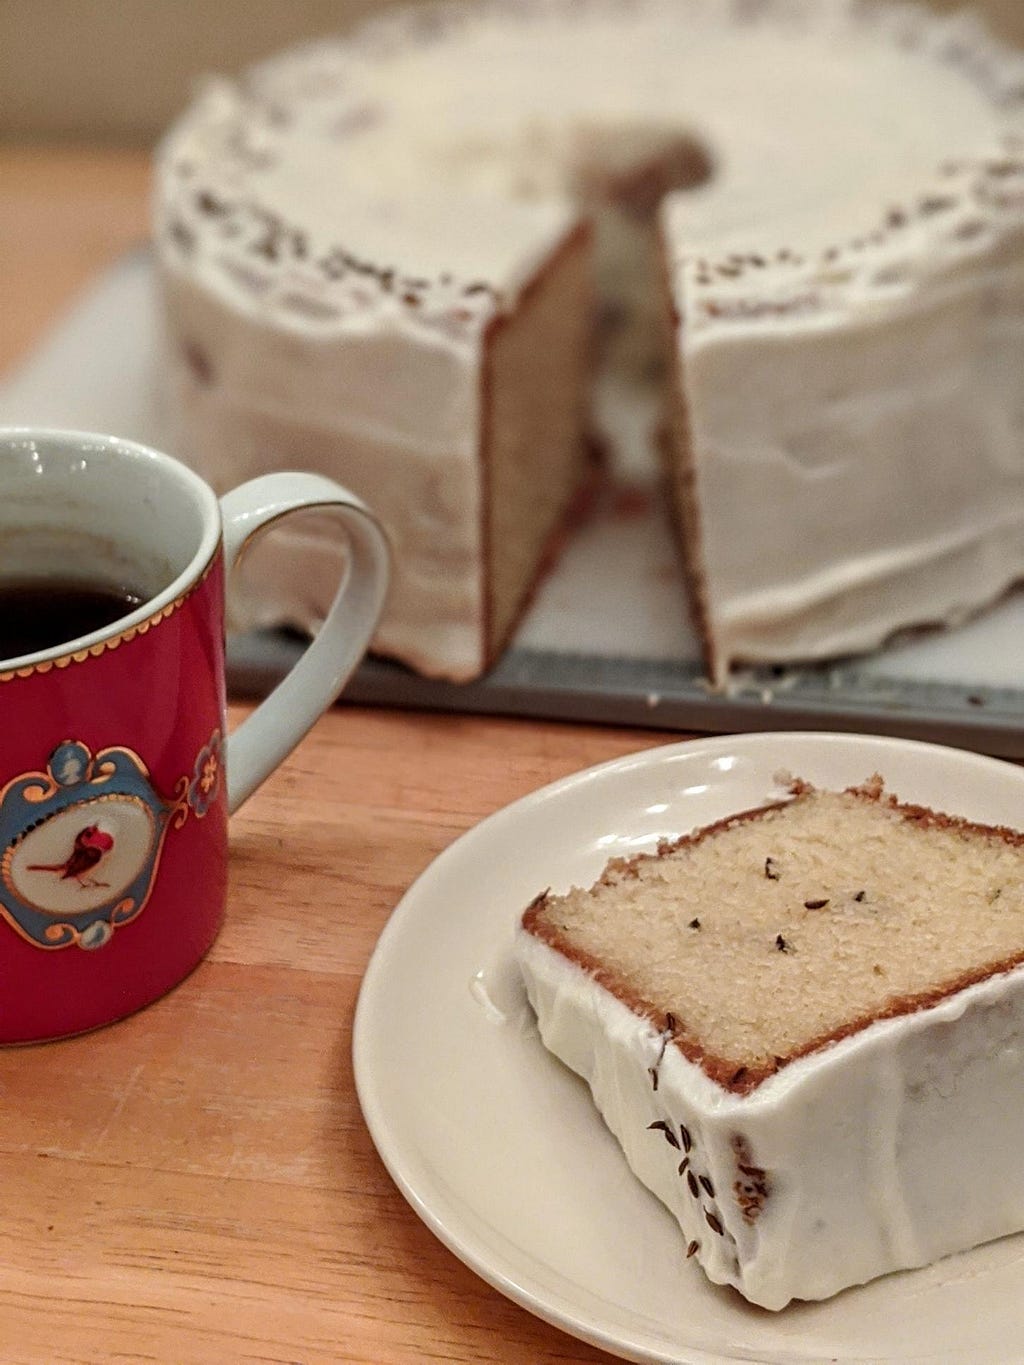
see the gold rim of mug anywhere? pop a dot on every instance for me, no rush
(99, 647)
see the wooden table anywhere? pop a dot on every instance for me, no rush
(196, 1183)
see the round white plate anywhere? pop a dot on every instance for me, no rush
(498, 1147)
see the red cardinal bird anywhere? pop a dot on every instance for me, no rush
(91, 843)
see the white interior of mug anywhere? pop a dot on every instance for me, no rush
(88, 508)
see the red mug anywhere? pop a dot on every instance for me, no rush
(116, 772)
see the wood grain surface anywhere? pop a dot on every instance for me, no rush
(196, 1183)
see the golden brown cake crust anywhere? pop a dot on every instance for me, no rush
(741, 1080)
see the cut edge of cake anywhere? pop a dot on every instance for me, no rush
(732, 1075)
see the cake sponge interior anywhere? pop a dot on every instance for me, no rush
(776, 932)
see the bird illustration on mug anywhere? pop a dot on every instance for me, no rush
(81, 840)
(90, 846)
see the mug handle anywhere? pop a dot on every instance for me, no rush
(270, 733)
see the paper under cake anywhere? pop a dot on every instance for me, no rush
(404, 258)
(805, 1026)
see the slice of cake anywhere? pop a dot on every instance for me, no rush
(379, 256)
(805, 1026)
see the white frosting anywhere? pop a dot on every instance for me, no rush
(885, 1151)
(337, 232)
(892, 492)
(317, 366)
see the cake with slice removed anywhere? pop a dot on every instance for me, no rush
(802, 219)
(805, 1026)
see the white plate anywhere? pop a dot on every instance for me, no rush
(498, 1147)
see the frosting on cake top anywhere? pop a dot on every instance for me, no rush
(425, 165)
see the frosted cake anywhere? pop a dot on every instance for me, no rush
(406, 258)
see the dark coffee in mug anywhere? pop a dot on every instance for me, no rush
(39, 613)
